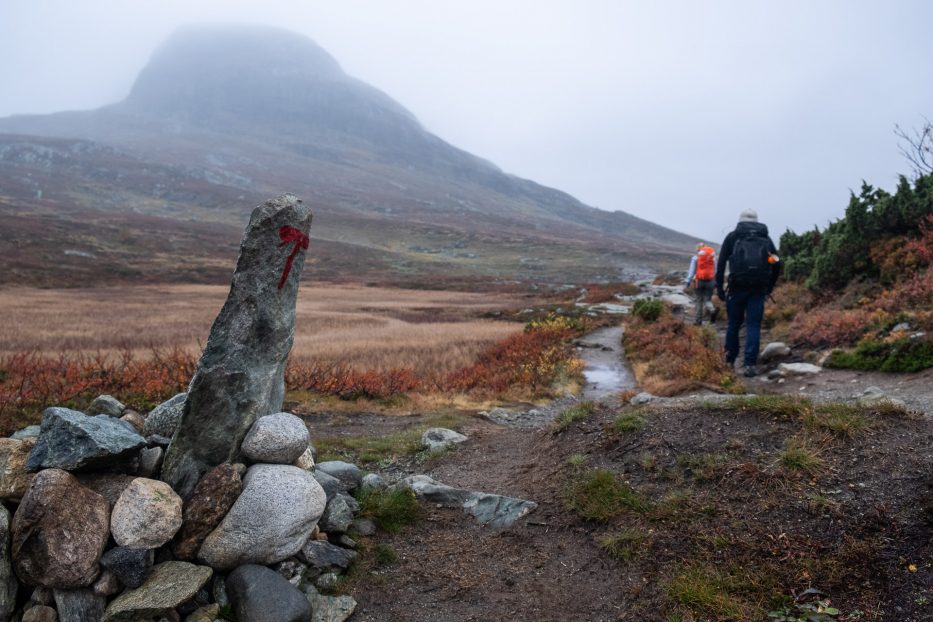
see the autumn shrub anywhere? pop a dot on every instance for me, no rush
(607, 292)
(648, 309)
(345, 382)
(902, 355)
(30, 381)
(828, 326)
(533, 360)
(670, 357)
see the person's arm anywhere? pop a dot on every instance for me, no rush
(725, 251)
(693, 270)
(776, 268)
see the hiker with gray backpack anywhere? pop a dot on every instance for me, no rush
(754, 267)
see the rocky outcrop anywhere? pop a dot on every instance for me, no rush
(59, 530)
(435, 439)
(8, 583)
(240, 376)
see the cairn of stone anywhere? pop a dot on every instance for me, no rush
(241, 374)
(88, 531)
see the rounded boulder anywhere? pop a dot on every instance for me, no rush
(269, 522)
(280, 438)
(146, 515)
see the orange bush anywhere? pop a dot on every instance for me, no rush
(343, 381)
(830, 327)
(534, 359)
(670, 356)
(30, 382)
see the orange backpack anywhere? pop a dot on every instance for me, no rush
(706, 264)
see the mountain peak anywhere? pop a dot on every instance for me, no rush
(241, 69)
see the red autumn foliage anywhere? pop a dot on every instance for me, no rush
(826, 326)
(534, 359)
(347, 383)
(670, 356)
(29, 381)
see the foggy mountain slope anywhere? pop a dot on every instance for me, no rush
(253, 111)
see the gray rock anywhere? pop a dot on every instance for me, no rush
(163, 419)
(772, 351)
(441, 438)
(8, 583)
(291, 570)
(130, 566)
(329, 483)
(373, 481)
(329, 608)
(241, 375)
(40, 613)
(107, 584)
(273, 516)
(79, 605)
(106, 405)
(363, 527)
(351, 502)
(134, 419)
(642, 398)
(14, 478)
(59, 531)
(259, 594)
(147, 514)
(219, 591)
(157, 440)
(496, 511)
(279, 438)
(349, 475)
(337, 516)
(347, 542)
(30, 431)
(799, 369)
(306, 459)
(42, 596)
(150, 460)
(71, 440)
(169, 585)
(322, 556)
(903, 327)
(874, 395)
(327, 581)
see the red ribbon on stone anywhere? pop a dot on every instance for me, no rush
(290, 235)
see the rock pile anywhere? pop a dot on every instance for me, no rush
(88, 531)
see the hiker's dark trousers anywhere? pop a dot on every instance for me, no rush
(744, 305)
(704, 292)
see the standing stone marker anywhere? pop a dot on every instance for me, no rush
(241, 375)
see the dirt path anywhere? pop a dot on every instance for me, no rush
(548, 566)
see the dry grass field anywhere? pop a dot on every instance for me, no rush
(364, 327)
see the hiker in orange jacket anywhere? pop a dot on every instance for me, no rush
(702, 276)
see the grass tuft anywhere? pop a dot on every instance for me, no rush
(779, 406)
(576, 412)
(600, 495)
(630, 421)
(800, 455)
(622, 545)
(389, 509)
(710, 592)
(845, 419)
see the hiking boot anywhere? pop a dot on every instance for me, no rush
(713, 315)
(750, 371)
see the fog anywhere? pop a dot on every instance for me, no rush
(683, 113)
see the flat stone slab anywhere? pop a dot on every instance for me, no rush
(491, 510)
(170, 584)
(71, 440)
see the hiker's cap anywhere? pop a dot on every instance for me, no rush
(701, 245)
(748, 215)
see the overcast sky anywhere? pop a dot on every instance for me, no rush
(681, 112)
